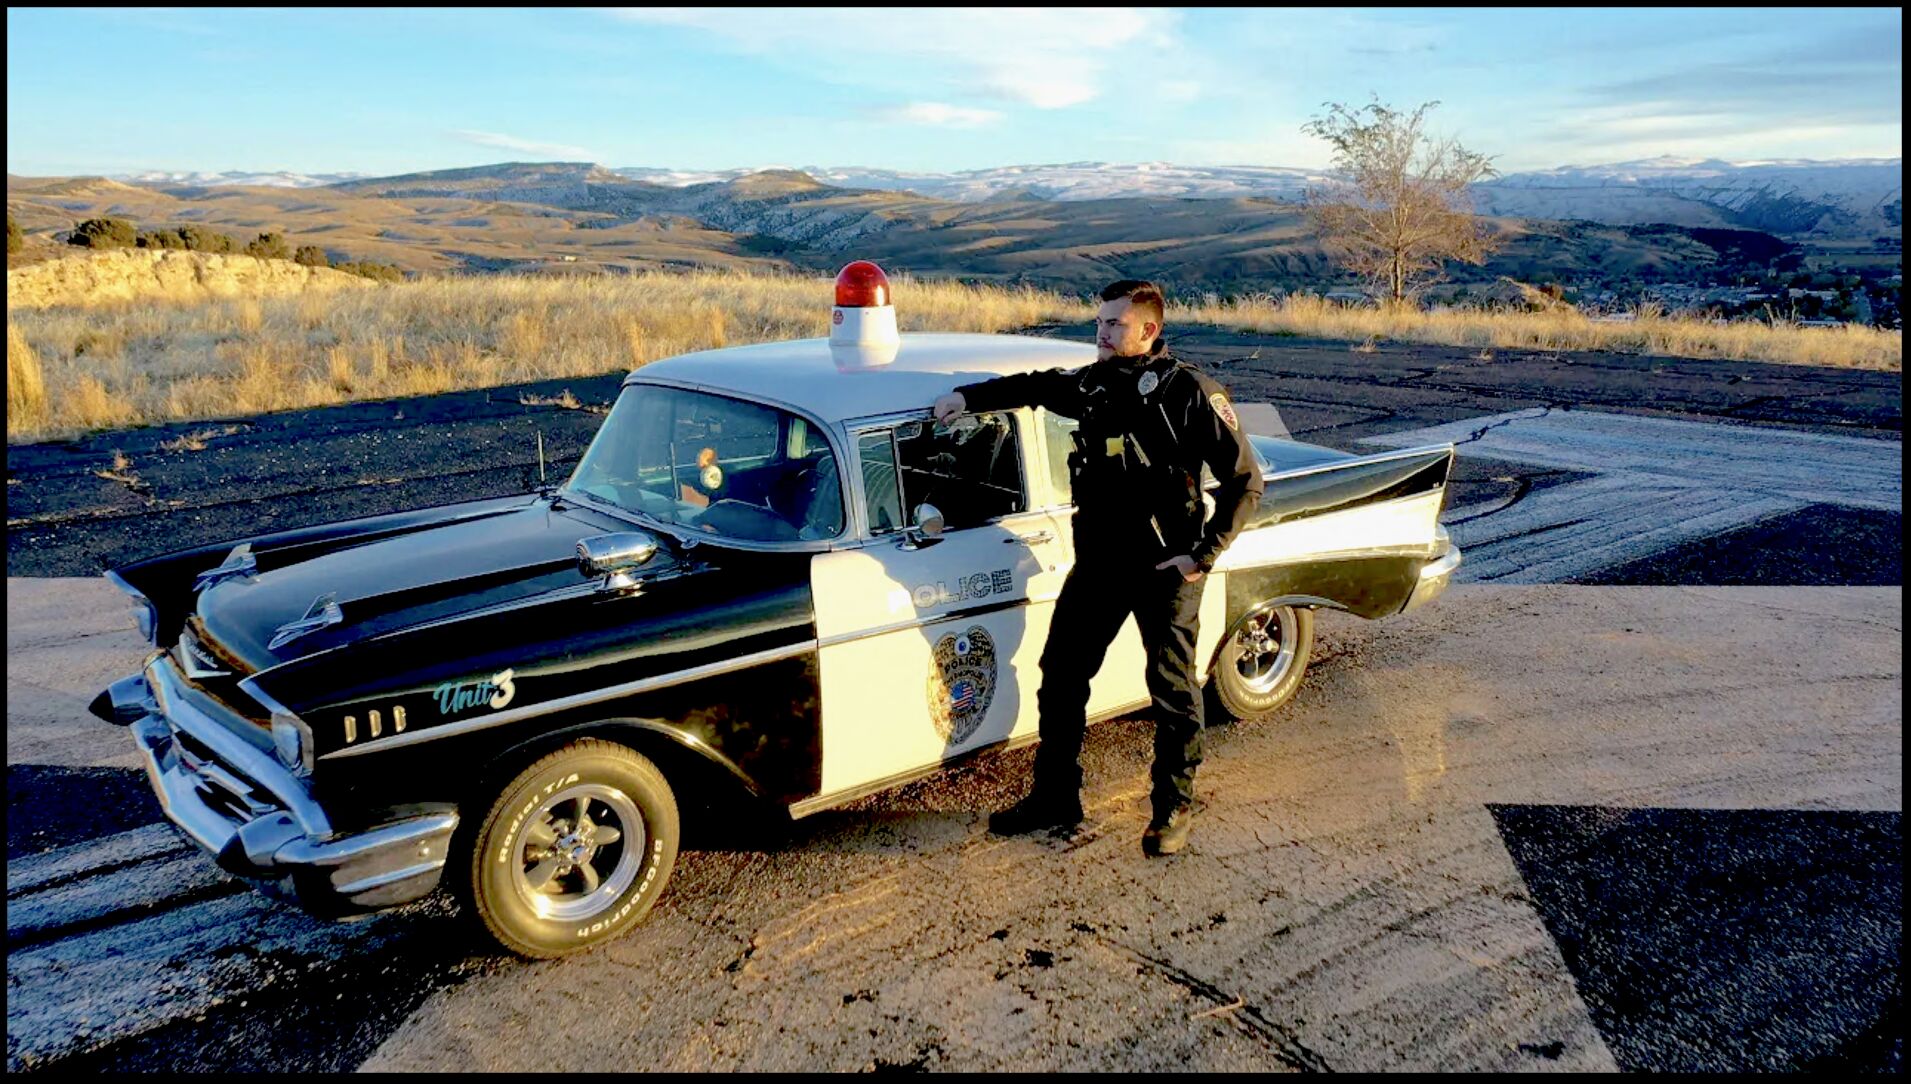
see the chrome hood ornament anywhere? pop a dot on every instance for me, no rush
(323, 613)
(240, 562)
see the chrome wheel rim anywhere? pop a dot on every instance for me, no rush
(579, 852)
(1263, 649)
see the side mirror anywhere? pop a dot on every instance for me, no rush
(615, 556)
(929, 520)
(927, 530)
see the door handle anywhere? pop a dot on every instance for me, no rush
(1031, 539)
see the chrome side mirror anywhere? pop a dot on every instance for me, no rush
(927, 530)
(615, 556)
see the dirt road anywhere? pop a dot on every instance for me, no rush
(1527, 827)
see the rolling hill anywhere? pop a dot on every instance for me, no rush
(579, 216)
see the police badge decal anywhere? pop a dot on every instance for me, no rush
(962, 683)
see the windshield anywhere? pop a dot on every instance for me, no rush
(715, 465)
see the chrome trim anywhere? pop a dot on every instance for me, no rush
(1404, 549)
(576, 700)
(1379, 457)
(250, 686)
(187, 709)
(1434, 579)
(916, 622)
(178, 797)
(240, 561)
(190, 652)
(322, 614)
(382, 866)
(146, 615)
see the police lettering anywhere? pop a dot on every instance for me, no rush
(978, 585)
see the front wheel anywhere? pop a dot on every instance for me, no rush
(1259, 665)
(574, 851)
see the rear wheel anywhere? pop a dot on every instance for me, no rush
(1259, 665)
(574, 851)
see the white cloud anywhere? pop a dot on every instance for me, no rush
(528, 146)
(1049, 59)
(938, 114)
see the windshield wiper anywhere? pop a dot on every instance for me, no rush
(679, 544)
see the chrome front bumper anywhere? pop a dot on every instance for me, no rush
(258, 819)
(1434, 578)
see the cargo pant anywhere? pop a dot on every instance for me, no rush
(1096, 598)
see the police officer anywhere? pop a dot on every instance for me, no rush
(1143, 541)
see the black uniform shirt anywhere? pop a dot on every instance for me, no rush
(1137, 470)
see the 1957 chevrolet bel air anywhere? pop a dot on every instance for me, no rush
(770, 575)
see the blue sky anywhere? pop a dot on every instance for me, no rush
(391, 92)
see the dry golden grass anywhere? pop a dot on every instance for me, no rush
(1650, 332)
(74, 369)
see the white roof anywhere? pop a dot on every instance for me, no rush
(837, 383)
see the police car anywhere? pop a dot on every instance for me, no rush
(771, 574)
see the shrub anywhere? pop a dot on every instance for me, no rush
(14, 237)
(269, 246)
(311, 256)
(103, 233)
(381, 272)
(199, 239)
(162, 239)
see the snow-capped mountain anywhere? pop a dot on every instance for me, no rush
(1068, 180)
(1855, 198)
(201, 179)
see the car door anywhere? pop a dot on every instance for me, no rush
(929, 645)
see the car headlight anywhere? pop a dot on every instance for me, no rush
(293, 741)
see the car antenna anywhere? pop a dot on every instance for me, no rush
(544, 487)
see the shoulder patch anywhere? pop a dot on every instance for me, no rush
(1225, 409)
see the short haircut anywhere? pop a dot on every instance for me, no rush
(1145, 296)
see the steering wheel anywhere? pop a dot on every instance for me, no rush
(800, 490)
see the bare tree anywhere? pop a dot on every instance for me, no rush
(1402, 208)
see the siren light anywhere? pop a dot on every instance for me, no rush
(864, 315)
(861, 284)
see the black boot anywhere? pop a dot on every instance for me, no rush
(1168, 831)
(1043, 808)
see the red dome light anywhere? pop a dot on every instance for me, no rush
(861, 285)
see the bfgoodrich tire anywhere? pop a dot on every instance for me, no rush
(1260, 663)
(574, 851)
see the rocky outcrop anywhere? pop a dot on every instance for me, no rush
(165, 275)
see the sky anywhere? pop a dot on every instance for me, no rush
(384, 92)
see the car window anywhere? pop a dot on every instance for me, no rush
(1057, 436)
(881, 495)
(971, 469)
(725, 467)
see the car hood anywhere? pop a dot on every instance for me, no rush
(400, 581)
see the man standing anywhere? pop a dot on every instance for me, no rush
(1143, 542)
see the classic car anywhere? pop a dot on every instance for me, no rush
(771, 575)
